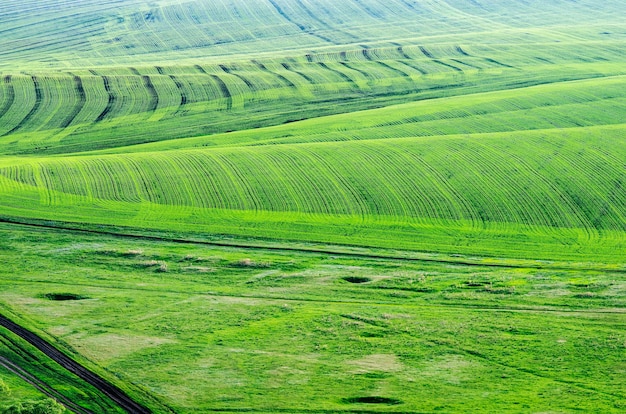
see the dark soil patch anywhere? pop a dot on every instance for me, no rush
(357, 279)
(63, 296)
(475, 283)
(371, 334)
(372, 400)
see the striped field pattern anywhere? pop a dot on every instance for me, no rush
(322, 122)
(316, 206)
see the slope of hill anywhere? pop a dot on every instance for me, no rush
(447, 71)
(460, 132)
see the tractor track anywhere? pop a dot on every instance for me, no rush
(102, 385)
(72, 227)
(43, 387)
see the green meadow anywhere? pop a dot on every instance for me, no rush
(205, 328)
(315, 206)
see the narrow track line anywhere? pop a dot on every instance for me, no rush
(461, 262)
(42, 386)
(34, 109)
(243, 79)
(304, 76)
(181, 90)
(80, 103)
(154, 96)
(225, 92)
(533, 373)
(10, 95)
(432, 306)
(301, 27)
(283, 79)
(108, 389)
(339, 73)
(110, 102)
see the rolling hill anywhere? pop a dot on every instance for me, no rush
(464, 132)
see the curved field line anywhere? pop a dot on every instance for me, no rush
(183, 96)
(461, 51)
(451, 200)
(200, 69)
(366, 54)
(10, 96)
(466, 64)
(34, 109)
(111, 100)
(340, 182)
(367, 10)
(82, 99)
(552, 191)
(495, 62)
(298, 25)
(395, 70)
(342, 75)
(365, 74)
(224, 90)
(439, 62)
(154, 96)
(323, 23)
(278, 75)
(426, 52)
(303, 75)
(243, 78)
(402, 53)
(413, 66)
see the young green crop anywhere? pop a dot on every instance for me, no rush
(427, 198)
(530, 194)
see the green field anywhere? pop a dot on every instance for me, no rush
(212, 178)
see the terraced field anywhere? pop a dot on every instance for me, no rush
(466, 132)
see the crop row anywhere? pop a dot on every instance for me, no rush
(90, 33)
(60, 105)
(544, 107)
(542, 180)
(53, 102)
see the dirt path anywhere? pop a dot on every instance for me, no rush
(105, 387)
(43, 387)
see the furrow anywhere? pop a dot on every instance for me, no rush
(301, 27)
(303, 75)
(80, 104)
(278, 75)
(110, 102)
(244, 79)
(34, 109)
(154, 96)
(339, 73)
(10, 96)
(225, 92)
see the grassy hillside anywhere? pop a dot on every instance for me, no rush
(533, 172)
(446, 180)
(523, 114)
(214, 329)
